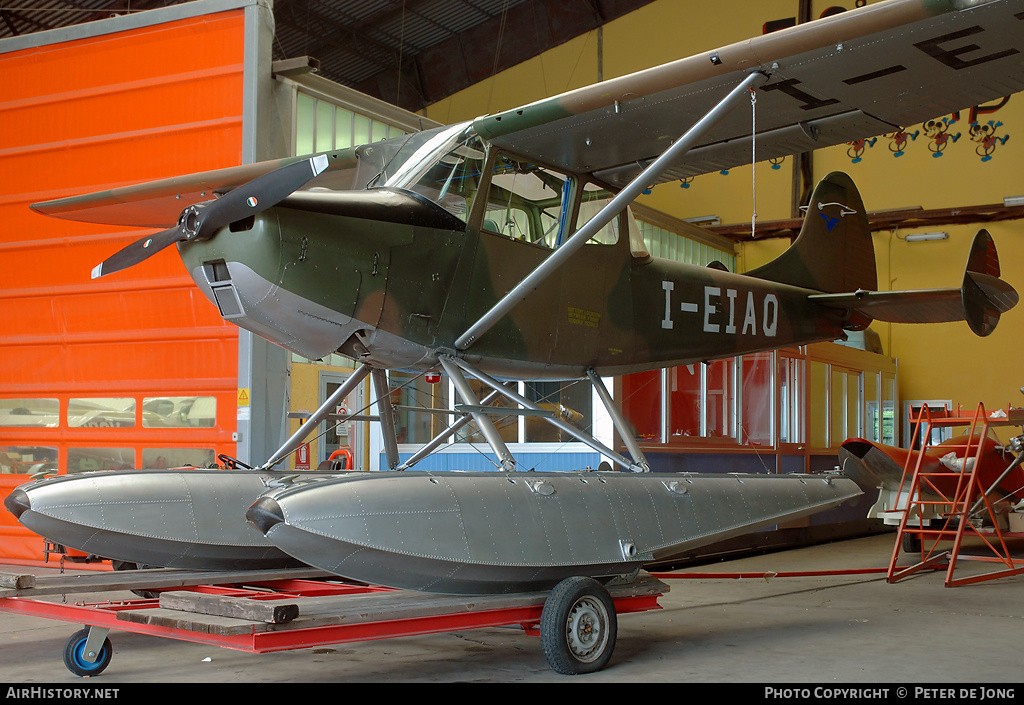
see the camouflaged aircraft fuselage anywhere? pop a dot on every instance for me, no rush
(396, 294)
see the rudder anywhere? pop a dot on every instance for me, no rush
(984, 295)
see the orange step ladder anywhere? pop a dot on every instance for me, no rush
(964, 506)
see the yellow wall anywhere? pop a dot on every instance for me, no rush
(571, 65)
(935, 361)
(305, 396)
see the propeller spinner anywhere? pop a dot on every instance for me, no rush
(201, 220)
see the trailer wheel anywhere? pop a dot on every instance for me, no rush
(578, 626)
(910, 543)
(76, 661)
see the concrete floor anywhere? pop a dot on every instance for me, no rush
(830, 629)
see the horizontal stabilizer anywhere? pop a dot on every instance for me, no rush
(919, 306)
(980, 300)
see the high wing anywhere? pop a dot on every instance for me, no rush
(159, 204)
(854, 75)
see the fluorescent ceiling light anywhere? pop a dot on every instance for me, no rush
(704, 220)
(919, 237)
(1011, 201)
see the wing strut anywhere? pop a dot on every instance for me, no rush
(626, 196)
(319, 415)
(619, 421)
(452, 362)
(483, 421)
(440, 438)
(387, 415)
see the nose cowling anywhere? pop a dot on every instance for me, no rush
(18, 503)
(265, 514)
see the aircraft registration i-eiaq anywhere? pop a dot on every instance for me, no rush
(503, 248)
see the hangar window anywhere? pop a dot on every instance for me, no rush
(665, 243)
(571, 401)
(756, 385)
(823, 395)
(845, 405)
(321, 125)
(817, 415)
(430, 401)
(90, 459)
(179, 412)
(791, 399)
(702, 400)
(27, 460)
(43, 413)
(158, 458)
(101, 412)
(641, 402)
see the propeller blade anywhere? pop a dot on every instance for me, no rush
(201, 220)
(137, 251)
(257, 195)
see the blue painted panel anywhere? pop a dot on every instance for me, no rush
(541, 462)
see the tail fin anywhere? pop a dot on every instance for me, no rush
(833, 252)
(984, 295)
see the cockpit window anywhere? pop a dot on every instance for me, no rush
(527, 202)
(594, 199)
(524, 201)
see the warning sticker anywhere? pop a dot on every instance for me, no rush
(243, 397)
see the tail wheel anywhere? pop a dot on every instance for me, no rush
(79, 663)
(578, 626)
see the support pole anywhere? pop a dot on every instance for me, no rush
(625, 432)
(387, 416)
(494, 440)
(563, 425)
(440, 438)
(626, 196)
(319, 415)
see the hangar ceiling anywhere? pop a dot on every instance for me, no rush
(407, 52)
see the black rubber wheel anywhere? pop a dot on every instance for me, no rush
(910, 543)
(126, 565)
(75, 660)
(578, 626)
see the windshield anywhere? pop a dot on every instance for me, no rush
(446, 168)
(378, 160)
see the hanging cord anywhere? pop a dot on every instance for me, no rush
(753, 158)
(401, 51)
(497, 54)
